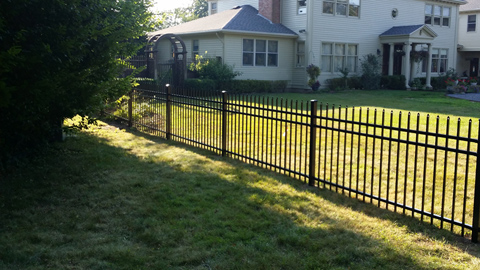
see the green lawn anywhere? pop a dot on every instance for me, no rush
(416, 101)
(110, 198)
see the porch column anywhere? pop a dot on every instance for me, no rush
(407, 49)
(391, 59)
(429, 67)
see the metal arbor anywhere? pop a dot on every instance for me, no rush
(179, 65)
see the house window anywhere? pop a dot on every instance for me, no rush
(213, 8)
(300, 54)
(472, 23)
(302, 6)
(260, 52)
(437, 15)
(439, 61)
(195, 48)
(337, 56)
(349, 8)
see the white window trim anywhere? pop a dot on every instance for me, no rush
(432, 23)
(267, 53)
(468, 23)
(345, 60)
(334, 13)
(447, 67)
(299, 54)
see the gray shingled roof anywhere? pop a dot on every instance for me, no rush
(401, 30)
(239, 19)
(471, 5)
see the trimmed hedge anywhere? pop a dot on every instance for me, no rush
(253, 86)
(200, 84)
(394, 82)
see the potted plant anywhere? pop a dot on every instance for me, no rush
(416, 84)
(473, 81)
(462, 86)
(313, 72)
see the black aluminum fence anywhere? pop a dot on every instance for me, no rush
(421, 166)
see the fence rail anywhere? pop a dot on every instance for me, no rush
(426, 167)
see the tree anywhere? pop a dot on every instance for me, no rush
(198, 9)
(58, 59)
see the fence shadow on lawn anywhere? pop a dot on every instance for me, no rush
(157, 213)
(413, 225)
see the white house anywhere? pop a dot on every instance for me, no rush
(469, 39)
(276, 40)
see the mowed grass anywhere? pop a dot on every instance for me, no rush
(114, 199)
(424, 102)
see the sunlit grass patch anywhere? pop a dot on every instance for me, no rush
(118, 199)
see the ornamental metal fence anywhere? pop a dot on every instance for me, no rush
(423, 166)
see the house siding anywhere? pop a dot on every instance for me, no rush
(223, 5)
(470, 41)
(284, 70)
(374, 19)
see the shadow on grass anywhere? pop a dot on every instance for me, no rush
(140, 202)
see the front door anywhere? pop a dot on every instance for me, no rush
(474, 67)
(397, 60)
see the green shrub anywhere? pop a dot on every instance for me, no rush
(253, 86)
(335, 84)
(213, 69)
(370, 65)
(355, 82)
(394, 82)
(200, 84)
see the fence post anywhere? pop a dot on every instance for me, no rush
(476, 198)
(130, 108)
(224, 123)
(313, 142)
(168, 121)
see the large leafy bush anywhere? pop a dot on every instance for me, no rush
(57, 59)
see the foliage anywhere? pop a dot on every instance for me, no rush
(57, 59)
(344, 72)
(416, 83)
(418, 56)
(355, 82)
(200, 84)
(371, 76)
(254, 86)
(334, 84)
(313, 72)
(198, 9)
(213, 69)
(394, 82)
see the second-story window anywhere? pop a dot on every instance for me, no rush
(472, 23)
(213, 9)
(437, 15)
(302, 6)
(348, 8)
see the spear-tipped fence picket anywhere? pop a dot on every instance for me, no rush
(421, 166)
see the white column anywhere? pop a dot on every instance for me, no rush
(391, 59)
(407, 49)
(429, 67)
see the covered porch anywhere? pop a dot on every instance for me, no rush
(400, 41)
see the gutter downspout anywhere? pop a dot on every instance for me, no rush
(455, 44)
(223, 47)
(309, 37)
